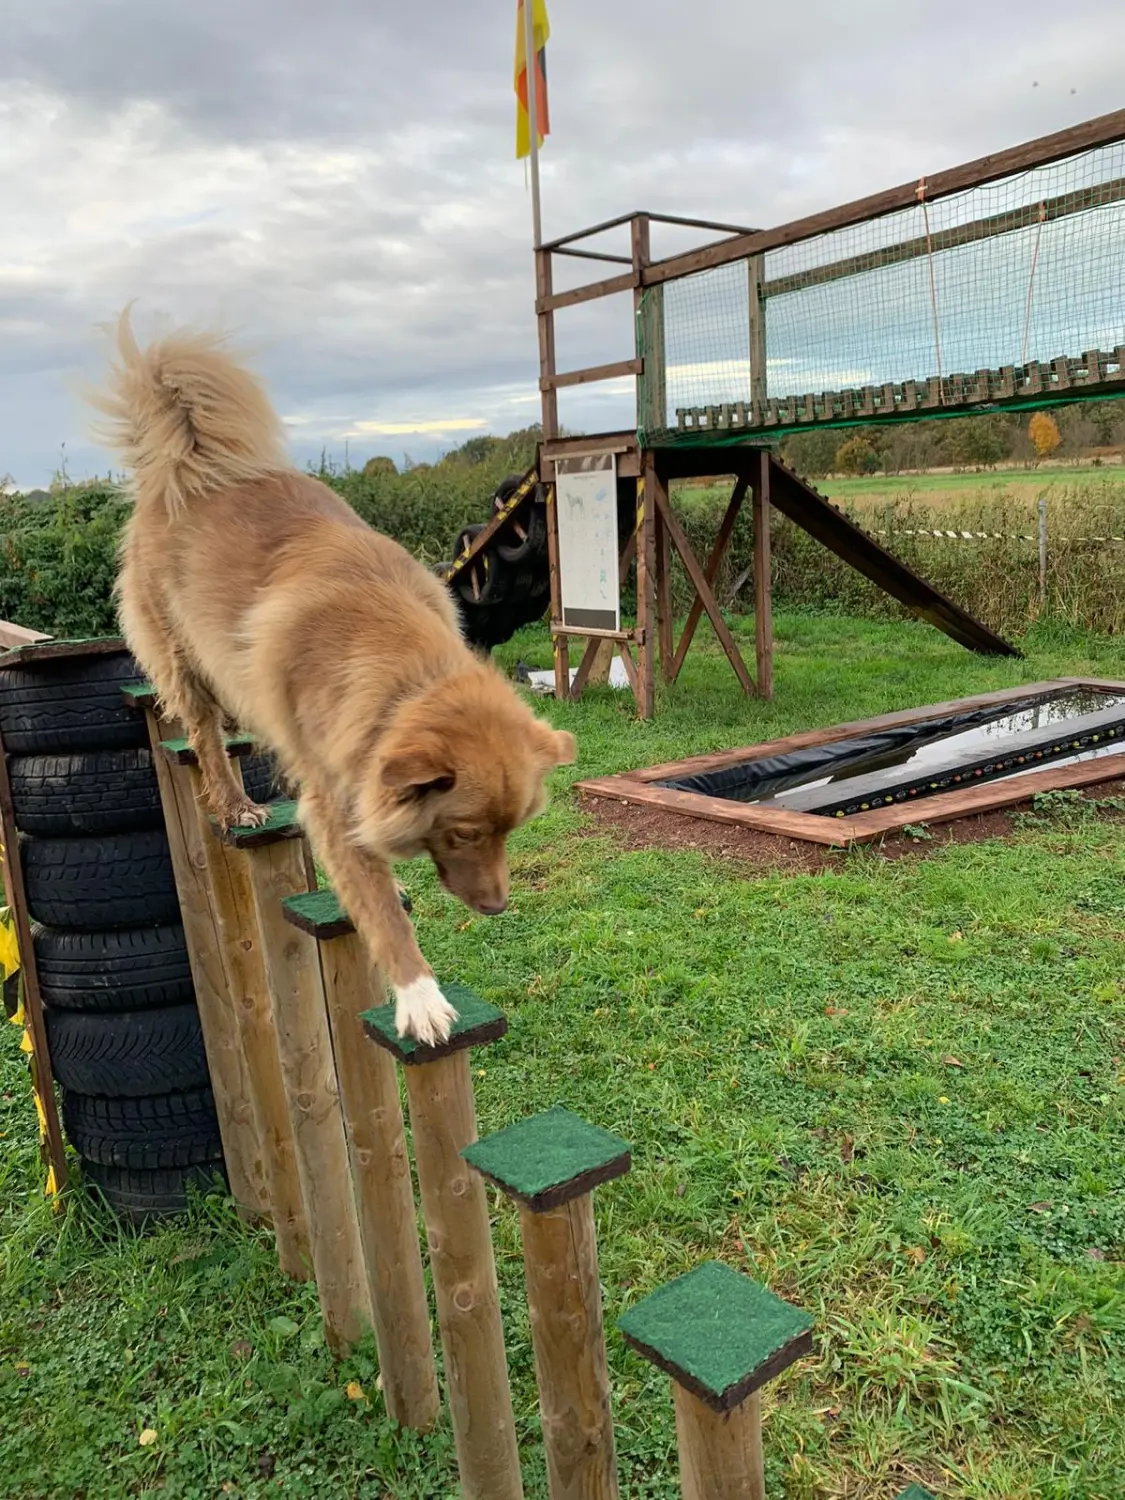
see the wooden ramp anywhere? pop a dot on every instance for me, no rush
(816, 515)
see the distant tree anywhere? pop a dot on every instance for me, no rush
(379, 465)
(857, 455)
(1043, 431)
(811, 454)
(980, 441)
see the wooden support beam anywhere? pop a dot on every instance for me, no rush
(710, 573)
(759, 388)
(545, 319)
(665, 620)
(721, 1454)
(591, 374)
(647, 504)
(380, 1167)
(704, 591)
(277, 870)
(763, 582)
(549, 301)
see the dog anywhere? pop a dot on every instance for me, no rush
(249, 592)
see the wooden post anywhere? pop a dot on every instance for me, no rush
(720, 1452)
(380, 1167)
(763, 584)
(276, 863)
(443, 1121)
(240, 951)
(664, 615)
(758, 383)
(647, 486)
(550, 1164)
(226, 1060)
(721, 1337)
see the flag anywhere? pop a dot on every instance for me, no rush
(541, 30)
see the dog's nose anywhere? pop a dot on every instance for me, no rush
(493, 908)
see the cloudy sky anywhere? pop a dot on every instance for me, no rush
(336, 182)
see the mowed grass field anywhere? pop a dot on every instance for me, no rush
(894, 1091)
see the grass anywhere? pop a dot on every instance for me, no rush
(895, 1092)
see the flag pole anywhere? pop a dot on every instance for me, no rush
(532, 118)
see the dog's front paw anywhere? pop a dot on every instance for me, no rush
(244, 814)
(423, 1012)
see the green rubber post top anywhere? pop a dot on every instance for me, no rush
(915, 1492)
(718, 1334)
(477, 1022)
(139, 694)
(548, 1159)
(318, 913)
(181, 752)
(281, 824)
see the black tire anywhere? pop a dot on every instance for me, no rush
(152, 1134)
(485, 580)
(122, 880)
(261, 777)
(102, 972)
(517, 552)
(101, 791)
(72, 703)
(129, 1054)
(137, 1195)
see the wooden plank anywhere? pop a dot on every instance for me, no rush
(230, 1081)
(1027, 217)
(985, 797)
(703, 589)
(813, 513)
(710, 572)
(694, 765)
(384, 1191)
(50, 648)
(308, 1067)
(594, 633)
(12, 635)
(591, 374)
(1037, 153)
(763, 582)
(549, 301)
(619, 260)
(648, 487)
(15, 894)
(807, 826)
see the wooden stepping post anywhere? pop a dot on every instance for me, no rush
(721, 1337)
(439, 1091)
(550, 1165)
(240, 953)
(380, 1167)
(226, 1061)
(278, 868)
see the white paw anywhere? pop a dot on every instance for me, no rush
(423, 1012)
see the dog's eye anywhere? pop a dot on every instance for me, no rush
(459, 837)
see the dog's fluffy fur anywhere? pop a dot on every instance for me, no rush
(250, 591)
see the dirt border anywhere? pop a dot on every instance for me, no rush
(637, 826)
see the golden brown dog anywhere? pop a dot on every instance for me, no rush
(250, 590)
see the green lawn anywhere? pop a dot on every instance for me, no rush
(894, 1091)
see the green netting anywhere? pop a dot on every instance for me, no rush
(1007, 295)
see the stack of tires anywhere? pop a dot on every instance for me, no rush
(122, 1026)
(508, 585)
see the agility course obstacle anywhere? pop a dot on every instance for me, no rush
(993, 286)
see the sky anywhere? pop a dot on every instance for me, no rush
(336, 183)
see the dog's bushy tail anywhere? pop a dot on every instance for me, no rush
(185, 417)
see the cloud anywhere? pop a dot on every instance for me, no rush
(337, 183)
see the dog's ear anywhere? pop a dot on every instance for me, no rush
(414, 770)
(557, 746)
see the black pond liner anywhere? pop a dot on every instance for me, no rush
(916, 761)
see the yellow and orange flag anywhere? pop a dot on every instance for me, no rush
(541, 30)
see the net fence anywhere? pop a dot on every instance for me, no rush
(1007, 294)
